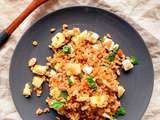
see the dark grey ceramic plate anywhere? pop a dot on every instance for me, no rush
(138, 82)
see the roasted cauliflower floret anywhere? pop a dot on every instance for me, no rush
(121, 91)
(73, 69)
(76, 31)
(68, 33)
(78, 38)
(58, 40)
(108, 43)
(92, 37)
(99, 100)
(37, 81)
(127, 65)
(27, 91)
(39, 69)
(83, 35)
(55, 92)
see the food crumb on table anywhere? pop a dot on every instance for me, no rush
(52, 30)
(34, 43)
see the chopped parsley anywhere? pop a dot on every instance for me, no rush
(56, 104)
(81, 75)
(113, 54)
(64, 94)
(121, 111)
(92, 82)
(66, 49)
(70, 81)
(134, 60)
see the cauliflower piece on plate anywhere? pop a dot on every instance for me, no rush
(73, 69)
(58, 40)
(27, 91)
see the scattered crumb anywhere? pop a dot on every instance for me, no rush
(64, 26)
(34, 43)
(58, 118)
(46, 110)
(47, 100)
(38, 91)
(32, 62)
(109, 36)
(39, 111)
(52, 30)
(49, 46)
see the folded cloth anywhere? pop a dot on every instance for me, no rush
(143, 15)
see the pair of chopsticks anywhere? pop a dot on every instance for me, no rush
(6, 33)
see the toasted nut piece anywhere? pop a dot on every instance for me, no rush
(39, 69)
(83, 108)
(38, 91)
(64, 26)
(109, 36)
(32, 62)
(106, 115)
(121, 91)
(39, 111)
(58, 40)
(73, 69)
(46, 110)
(27, 91)
(34, 43)
(52, 30)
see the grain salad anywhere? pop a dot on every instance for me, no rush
(82, 75)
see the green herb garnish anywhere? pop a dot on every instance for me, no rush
(56, 104)
(113, 54)
(92, 82)
(133, 60)
(113, 118)
(121, 111)
(70, 81)
(64, 94)
(81, 75)
(66, 49)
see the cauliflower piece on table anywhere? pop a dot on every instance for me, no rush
(27, 91)
(39, 69)
(127, 65)
(37, 81)
(58, 40)
(73, 69)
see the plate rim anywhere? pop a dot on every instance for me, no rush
(90, 7)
